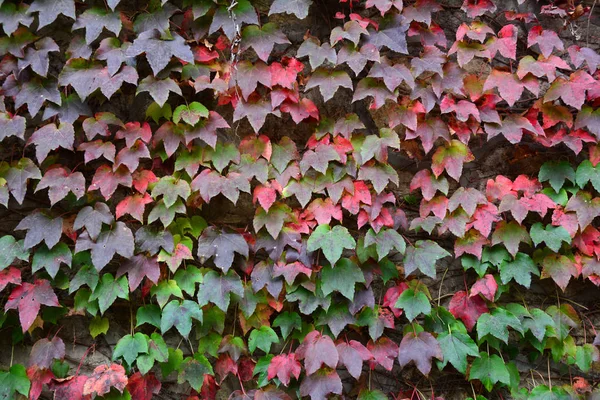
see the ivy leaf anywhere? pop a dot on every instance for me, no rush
(11, 249)
(467, 309)
(106, 180)
(143, 387)
(316, 52)
(262, 39)
(520, 269)
(510, 235)
(190, 114)
(560, 268)
(320, 384)
(222, 245)
(93, 20)
(451, 158)
(158, 51)
(158, 89)
(297, 7)
(11, 275)
(331, 241)
(44, 352)
(423, 256)
(385, 240)
(93, 218)
(262, 338)
(38, 58)
(244, 12)
(556, 173)
(317, 350)
(40, 228)
(118, 240)
(283, 367)
(341, 278)
(489, 369)
(413, 303)
(171, 188)
(138, 267)
(287, 322)
(50, 137)
(217, 289)
(456, 346)
(329, 82)
(586, 208)
(14, 381)
(553, 236)
(104, 378)
(180, 314)
(49, 10)
(129, 346)
(11, 16)
(50, 259)
(496, 324)
(420, 349)
(391, 34)
(108, 290)
(28, 298)
(60, 182)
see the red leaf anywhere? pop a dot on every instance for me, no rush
(285, 73)
(143, 387)
(104, 378)
(319, 385)
(361, 194)
(28, 297)
(468, 309)
(107, 181)
(283, 367)
(384, 353)
(225, 366)
(486, 287)
(70, 388)
(10, 275)
(317, 350)
(324, 211)
(391, 296)
(134, 206)
(38, 377)
(546, 39)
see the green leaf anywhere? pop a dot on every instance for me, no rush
(510, 235)
(287, 322)
(262, 338)
(171, 188)
(331, 241)
(157, 351)
(543, 392)
(586, 172)
(180, 315)
(385, 240)
(173, 363)
(108, 290)
(188, 278)
(148, 314)
(496, 324)
(586, 355)
(192, 371)
(11, 249)
(50, 259)
(164, 290)
(556, 173)
(129, 346)
(553, 236)
(217, 289)
(456, 346)
(423, 256)
(14, 381)
(341, 278)
(520, 269)
(86, 275)
(413, 303)
(190, 114)
(99, 325)
(371, 395)
(489, 370)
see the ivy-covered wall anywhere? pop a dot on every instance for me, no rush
(279, 199)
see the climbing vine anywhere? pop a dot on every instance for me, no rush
(133, 136)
